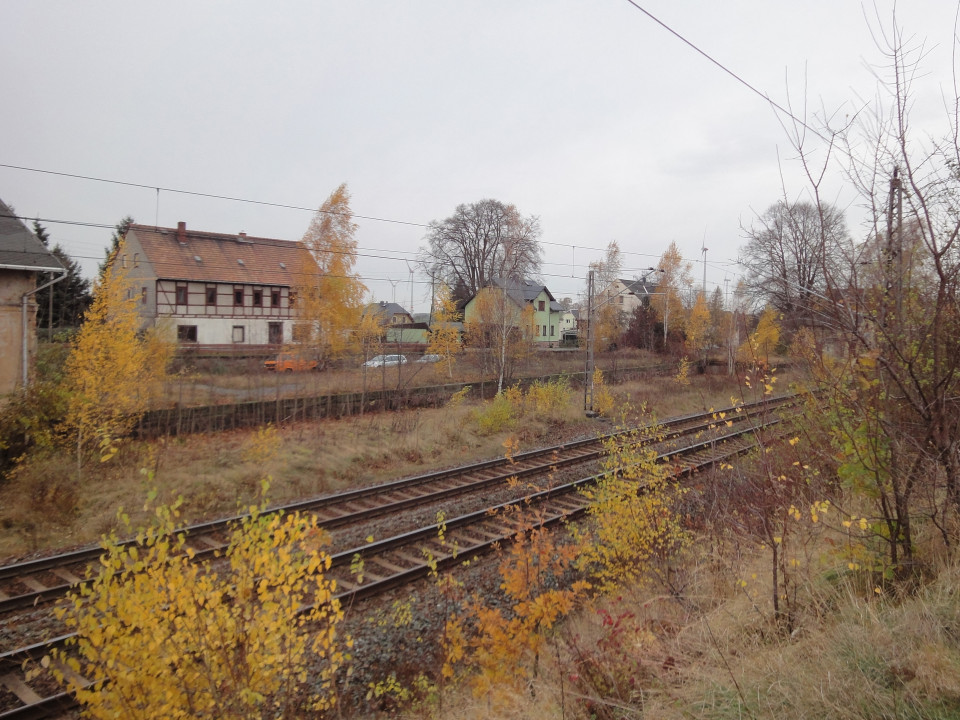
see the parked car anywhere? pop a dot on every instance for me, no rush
(385, 360)
(290, 362)
(429, 359)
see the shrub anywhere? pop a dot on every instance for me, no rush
(162, 636)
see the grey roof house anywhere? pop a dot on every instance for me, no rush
(22, 257)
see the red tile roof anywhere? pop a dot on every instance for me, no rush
(216, 257)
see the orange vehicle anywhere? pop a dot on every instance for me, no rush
(290, 362)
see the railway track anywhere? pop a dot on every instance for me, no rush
(31, 583)
(401, 558)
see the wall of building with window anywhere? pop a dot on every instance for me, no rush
(225, 314)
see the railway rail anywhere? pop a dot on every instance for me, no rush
(29, 583)
(402, 558)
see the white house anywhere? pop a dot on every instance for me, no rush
(627, 295)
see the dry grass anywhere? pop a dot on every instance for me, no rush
(717, 656)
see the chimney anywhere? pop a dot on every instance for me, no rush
(182, 232)
(243, 236)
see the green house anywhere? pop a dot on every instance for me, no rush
(518, 296)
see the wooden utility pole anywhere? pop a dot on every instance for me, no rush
(894, 250)
(588, 370)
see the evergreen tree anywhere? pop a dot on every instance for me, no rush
(70, 296)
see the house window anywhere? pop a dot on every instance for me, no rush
(211, 295)
(123, 261)
(136, 259)
(238, 333)
(274, 333)
(540, 305)
(257, 297)
(620, 299)
(544, 330)
(238, 296)
(186, 333)
(143, 295)
(181, 294)
(536, 330)
(275, 298)
(553, 330)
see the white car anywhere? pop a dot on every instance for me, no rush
(429, 359)
(385, 360)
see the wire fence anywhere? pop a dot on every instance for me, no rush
(184, 419)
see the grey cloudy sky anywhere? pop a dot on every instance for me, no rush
(585, 113)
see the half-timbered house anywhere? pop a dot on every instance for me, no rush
(216, 289)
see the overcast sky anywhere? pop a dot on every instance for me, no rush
(585, 113)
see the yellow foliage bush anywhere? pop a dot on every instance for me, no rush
(163, 636)
(496, 415)
(603, 400)
(503, 647)
(635, 532)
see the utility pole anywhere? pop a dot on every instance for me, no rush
(588, 370)
(895, 239)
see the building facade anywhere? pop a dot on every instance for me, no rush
(23, 259)
(519, 295)
(215, 289)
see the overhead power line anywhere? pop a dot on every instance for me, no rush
(213, 196)
(728, 71)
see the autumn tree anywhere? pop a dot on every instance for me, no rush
(895, 401)
(329, 295)
(609, 321)
(763, 341)
(114, 370)
(479, 243)
(698, 327)
(675, 279)
(164, 636)
(444, 333)
(119, 233)
(641, 330)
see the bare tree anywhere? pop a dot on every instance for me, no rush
(794, 252)
(896, 409)
(481, 242)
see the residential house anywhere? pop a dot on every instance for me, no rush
(546, 311)
(569, 331)
(398, 325)
(216, 289)
(389, 313)
(627, 295)
(22, 257)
